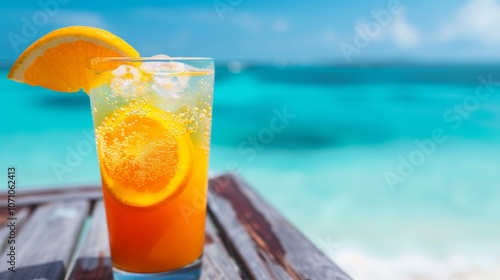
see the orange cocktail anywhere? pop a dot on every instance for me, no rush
(152, 118)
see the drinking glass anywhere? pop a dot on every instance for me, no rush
(152, 120)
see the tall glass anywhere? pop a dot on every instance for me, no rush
(152, 120)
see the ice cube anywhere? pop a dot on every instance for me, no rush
(127, 82)
(163, 67)
(165, 79)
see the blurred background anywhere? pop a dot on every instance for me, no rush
(388, 156)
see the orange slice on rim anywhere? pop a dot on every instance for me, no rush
(57, 61)
(145, 155)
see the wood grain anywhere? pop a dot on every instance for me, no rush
(46, 242)
(245, 238)
(93, 259)
(265, 244)
(217, 263)
(21, 216)
(37, 197)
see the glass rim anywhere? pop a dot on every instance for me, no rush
(149, 58)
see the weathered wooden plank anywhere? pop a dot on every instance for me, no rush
(37, 197)
(6, 213)
(93, 259)
(217, 263)
(44, 246)
(266, 245)
(20, 218)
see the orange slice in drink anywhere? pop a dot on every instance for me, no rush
(57, 61)
(145, 155)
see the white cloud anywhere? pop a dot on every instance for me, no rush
(403, 34)
(477, 20)
(396, 29)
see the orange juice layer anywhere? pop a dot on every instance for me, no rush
(164, 236)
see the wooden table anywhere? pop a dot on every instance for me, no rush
(61, 234)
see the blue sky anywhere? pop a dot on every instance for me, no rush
(274, 31)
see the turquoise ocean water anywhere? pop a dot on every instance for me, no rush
(393, 171)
